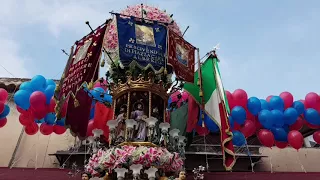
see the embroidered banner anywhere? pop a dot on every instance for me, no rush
(83, 69)
(181, 57)
(140, 43)
(84, 63)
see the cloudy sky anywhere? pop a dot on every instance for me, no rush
(266, 46)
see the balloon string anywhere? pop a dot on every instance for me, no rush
(21, 157)
(249, 154)
(270, 161)
(37, 150)
(45, 154)
(301, 165)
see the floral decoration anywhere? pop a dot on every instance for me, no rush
(125, 156)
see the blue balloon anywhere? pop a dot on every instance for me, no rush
(279, 134)
(26, 86)
(107, 98)
(49, 91)
(38, 82)
(39, 121)
(21, 98)
(238, 138)
(239, 114)
(50, 82)
(210, 124)
(254, 105)
(96, 93)
(277, 118)
(50, 118)
(231, 122)
(264, 104)
(265, 118)
(5, 112)
(290, 116)
(312, 116)
(61, 122)
(92, 113)
(169, 101)
(299, 106)
(276, 102)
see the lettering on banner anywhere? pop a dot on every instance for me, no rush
(145, 54)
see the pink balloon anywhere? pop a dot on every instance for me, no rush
(1, 107)
(268, 98)
(295, 139)
(240, 97)
(52, 105)
(297, 125)
(281, 145)
(90, 128)
(230, 99)
(46, 129)
(248, 128)
(312, 100)
(25, 120)
(32, 129)
(185, 96)
(37, 100)
(3, 95)
(287, 98)
(266, 138)
(3, 122)
(59, 129)
(174, 96)
(316, 136)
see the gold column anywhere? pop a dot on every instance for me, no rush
(128, 112)
(114, 103)
(164, 110)
(150, 103)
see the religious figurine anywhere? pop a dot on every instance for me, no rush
(121, 121)
(155, 113)
(138, 116)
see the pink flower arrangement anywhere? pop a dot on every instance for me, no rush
(152, 13)
(128, 155)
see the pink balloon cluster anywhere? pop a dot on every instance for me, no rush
(3, 100)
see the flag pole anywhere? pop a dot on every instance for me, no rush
(199, 83)
(225, 114)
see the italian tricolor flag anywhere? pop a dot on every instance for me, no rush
(214, 103)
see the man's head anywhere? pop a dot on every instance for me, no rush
(85, 176)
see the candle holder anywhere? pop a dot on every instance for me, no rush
(151, 172)
(130, 123)
(121, 172)
(112, 129)
(97, 133)
(151, 123)
(136, 168)
(164, 133)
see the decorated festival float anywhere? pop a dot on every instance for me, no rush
(141, 120)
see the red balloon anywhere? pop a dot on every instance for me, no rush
(297, 125)
(37, 99)
(40, 113)
(311, 126)
(268, 98)
(281, 145)
(25, 120)
(295, 139)
(59, 129)
(22, 111)
(312, 100)
(3, 95)
(240, 97)
(90, 128)
(32, 129)
(1, 107)
(316, 137)
(52, 105)
(248, 128)
(202, 131)
(266, 138)
(230, 99)
(287, 98)
(3, 122)
(258, 125)
(46, 129)
(236, 126)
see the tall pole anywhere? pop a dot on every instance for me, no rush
(199, 83)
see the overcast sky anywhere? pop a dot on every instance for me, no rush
(266, 46)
